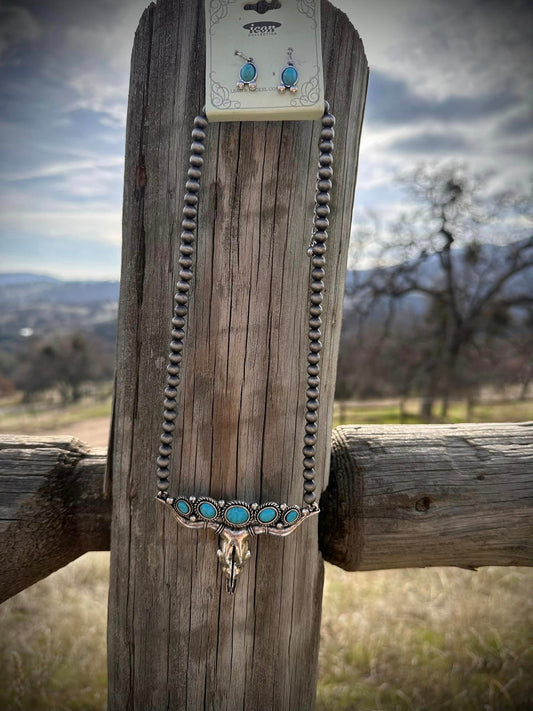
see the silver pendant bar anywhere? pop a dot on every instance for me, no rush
(236, 522)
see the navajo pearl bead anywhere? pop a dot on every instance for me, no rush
(200, 121)
(197, 147)
(196, 161)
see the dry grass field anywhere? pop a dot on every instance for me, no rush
(391, 640)
(413, 640)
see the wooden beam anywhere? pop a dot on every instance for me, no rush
(52, 509)
(175, 637)
(409, 496)
(427, 495)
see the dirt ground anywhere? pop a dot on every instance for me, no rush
(94, 432)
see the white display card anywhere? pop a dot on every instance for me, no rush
(265, 37)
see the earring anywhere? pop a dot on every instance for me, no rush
(247, 73)
(289, 75)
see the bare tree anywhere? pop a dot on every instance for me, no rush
(465, 257)
(64, 362)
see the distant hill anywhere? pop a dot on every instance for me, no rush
(9, 278)
(20, 290)
(38, 305)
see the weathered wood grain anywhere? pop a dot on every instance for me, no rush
(176, 639)
(420, 495)
(51, 507)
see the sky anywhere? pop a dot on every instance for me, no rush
(448, 81)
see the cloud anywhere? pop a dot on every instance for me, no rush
(68, 169)
(80, 259)
(430, 143)
(96, 221)
(393, 101)
(17, 26)
(518, 124)
(445, 77)
(480, 47)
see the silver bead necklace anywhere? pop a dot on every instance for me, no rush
(236, 521)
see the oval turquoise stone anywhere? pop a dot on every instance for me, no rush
(267, 515)
(237, 514)
(207, 510)
(183, 507)
(248, 72)
(291, 516)
(289, 76)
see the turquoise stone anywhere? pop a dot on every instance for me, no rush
(291, 516)
(248, 72)
(207, 510)
(289, 76)
(183, 507)
(267, 515)
(237, 515)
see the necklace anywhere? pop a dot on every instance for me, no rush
(236, 521)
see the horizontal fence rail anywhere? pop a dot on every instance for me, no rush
(398, 496)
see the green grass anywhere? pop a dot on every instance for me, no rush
(388, 413)
(34, 421)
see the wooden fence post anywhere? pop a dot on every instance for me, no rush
(176, 639)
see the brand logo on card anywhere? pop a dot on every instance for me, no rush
(262, 29)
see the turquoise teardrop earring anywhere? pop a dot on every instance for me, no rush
(247, 73)
(289, 75)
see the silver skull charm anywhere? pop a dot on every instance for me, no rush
(233, 552)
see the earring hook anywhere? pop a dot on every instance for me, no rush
(241, 54)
